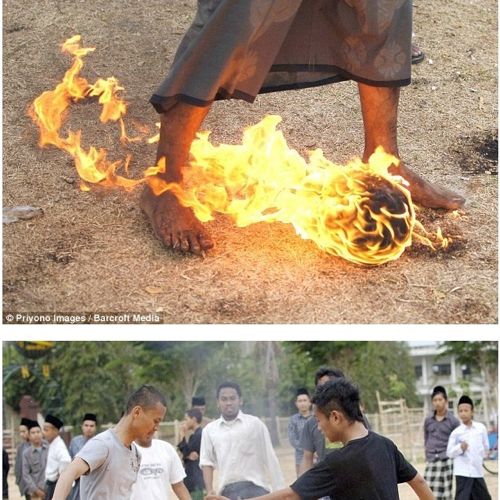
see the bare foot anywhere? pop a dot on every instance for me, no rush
(426, 194)
(174, 225)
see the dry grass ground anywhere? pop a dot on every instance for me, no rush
(94, 251)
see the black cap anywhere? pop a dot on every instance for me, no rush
(54, 421)
(302, 391)
(465, 400)
(90, 416)
(32, 423)
(198, 401)
(439, 389)
(25, 421)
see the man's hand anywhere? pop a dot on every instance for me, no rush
(193, 456)
(464, 445)
(40, 493)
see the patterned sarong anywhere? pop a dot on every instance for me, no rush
(439, 477)
(239, 48)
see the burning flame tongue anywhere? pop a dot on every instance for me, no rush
(359, 211)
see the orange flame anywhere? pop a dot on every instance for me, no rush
(359, 211)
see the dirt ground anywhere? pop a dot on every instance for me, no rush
(94, 252)
(286, 459)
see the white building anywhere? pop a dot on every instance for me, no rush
(432, 369)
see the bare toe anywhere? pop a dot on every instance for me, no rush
(174, 225)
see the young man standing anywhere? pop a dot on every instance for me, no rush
(58, 457)
(368, 466)
(437, 430)
(34, 461)
(239, 446)
(198, 403)
(296, 424)
(110, 461)
(89, 429)
(190, 450)
(468, 445)
(25, 444)
(312, 441)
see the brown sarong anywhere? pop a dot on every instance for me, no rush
(240, 48)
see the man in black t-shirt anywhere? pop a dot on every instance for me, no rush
(367, 467)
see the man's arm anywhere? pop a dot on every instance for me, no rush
(421, 488)
(455, 447)
(208, 478)
(293, 434)
(181, 491)
(269, 455)
(307, 444)
(307, 461)
(426, 432)
(18, 466)
(284, 494)
(78, 467)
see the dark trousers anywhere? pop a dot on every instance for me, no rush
(50, 487)
(242, 490)
(471, 488)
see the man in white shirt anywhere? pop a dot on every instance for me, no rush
(160, 468)
(239, 446)
(58, 457)
(109, 463)
(468, 445)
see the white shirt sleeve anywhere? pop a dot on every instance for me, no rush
(454, 449)
(276, 475)
(207, 451)
(486, 444)
(176, 471)
(63, 457)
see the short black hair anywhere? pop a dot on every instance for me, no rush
(146, 396)
(341, 395)
(439, 389)
(230, 385)
(194, 412)
(330, 372)
(465, 400)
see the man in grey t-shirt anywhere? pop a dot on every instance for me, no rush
(108, 464)
(312, 440)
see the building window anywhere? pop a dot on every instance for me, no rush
(442, 369)
(418, 371)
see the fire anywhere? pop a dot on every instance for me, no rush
(358, 211)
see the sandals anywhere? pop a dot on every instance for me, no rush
(417, 56)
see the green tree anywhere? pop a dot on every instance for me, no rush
(81, 377)
(187, 369)
(382, 366)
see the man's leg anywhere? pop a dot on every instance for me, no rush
(379, 106)
(175, 225)
(464, 488)
(480, 490)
